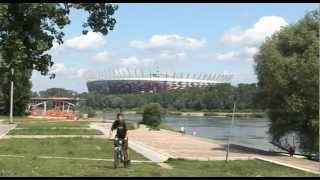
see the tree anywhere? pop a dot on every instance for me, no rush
(27, 32)
(57, 92)
(287, 70)
(152, 115)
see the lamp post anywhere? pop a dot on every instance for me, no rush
(234, 108)
(11, 96)
(319, 92)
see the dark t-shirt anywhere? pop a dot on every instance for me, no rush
(121, 128)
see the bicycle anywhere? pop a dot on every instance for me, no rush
(119, 153)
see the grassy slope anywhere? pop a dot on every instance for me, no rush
(47, 124)
(69, 147)
(44, 131)
(57, 167)
(232, 168)
(40, 127)
(100, 148)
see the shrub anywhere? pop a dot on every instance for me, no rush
(132, 125)
(87, 110)
(152, 114)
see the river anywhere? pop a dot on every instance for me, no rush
(249, 132)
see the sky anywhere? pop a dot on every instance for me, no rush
(181, 38)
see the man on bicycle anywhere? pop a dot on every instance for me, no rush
(122, 133)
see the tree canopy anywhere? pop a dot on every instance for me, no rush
(212, 98)
(28, 31)
(57, 92)
(287, 66)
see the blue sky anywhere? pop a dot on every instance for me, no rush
(195, 38)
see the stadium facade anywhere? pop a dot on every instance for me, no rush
(123, 83)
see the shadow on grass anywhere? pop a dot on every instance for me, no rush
(234, 148)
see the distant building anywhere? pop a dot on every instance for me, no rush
(152, 82)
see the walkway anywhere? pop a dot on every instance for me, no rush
(162, 145)
(5, 128)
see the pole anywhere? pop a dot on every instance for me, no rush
(319, 90)
(11, 97)
(234, 108)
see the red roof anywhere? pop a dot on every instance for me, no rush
(58, 98)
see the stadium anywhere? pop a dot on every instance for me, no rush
(134, 82)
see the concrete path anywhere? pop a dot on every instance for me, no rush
(142, 148)
(195, 148)
(5, 128)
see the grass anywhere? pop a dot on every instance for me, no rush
(48, 124)
(41, 127)
(250, 168)
(48, 131)
(31, 165)
(57, 167)
(66, 147)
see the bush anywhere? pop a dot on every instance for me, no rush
(132, 125)
(152, 114)
(87, 110)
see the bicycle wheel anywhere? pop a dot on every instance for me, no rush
(115, 158)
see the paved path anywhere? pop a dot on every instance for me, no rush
(142, 148)
(190, 147)
(5, 128)
(161, 145)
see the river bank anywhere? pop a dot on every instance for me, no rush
(209, 114)
(188, 147)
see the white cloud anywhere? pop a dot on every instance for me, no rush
(168, 41)
(245, 54)
(83, 42)
(58, 68)
(255, 35)
(168, 55)
(81, 72)
(64, 72)
(102, 57)
(133, 60)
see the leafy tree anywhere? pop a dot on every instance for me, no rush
(152, 115)
(216, 97)
(27, 32)
(57, 92)
(288, 74)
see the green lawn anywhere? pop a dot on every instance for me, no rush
(232, 168)
(32, 165)
(57, 131)
(48, 124)
(45, 127)
(66, 147)
(59, 167)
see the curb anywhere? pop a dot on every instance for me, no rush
(8, 130)
(148, 152)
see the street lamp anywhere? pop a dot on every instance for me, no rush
(11, 96)
(234, 108)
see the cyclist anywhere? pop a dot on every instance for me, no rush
(122, 133)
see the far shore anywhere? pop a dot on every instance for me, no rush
(208, 114)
